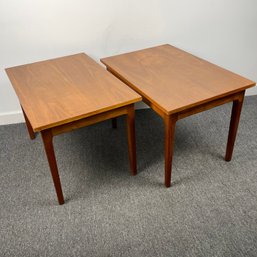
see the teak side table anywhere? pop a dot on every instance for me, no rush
(68, 93)
(176, 84)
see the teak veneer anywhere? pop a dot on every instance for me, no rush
(68, 93)
(176, 84)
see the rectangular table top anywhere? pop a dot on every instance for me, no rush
(61, 90)
(173, 79)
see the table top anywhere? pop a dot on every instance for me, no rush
(173, 79)
(61, 90)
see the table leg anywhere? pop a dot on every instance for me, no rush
(114, 123)
(170, 124)
(235, 117)
(29, 127)
(131, 139)
(49, 149)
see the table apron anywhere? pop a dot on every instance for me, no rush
(211, 104)
(199, 108)
(89, 120)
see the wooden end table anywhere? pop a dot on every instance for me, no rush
(176, 84)
(68, 93)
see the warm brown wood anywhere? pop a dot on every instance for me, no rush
(68, 93)
(132, 139)
(169, 124)
(209, 105)
(49, 149)
(235, 117)
(61, 90)
(174, 80)
(48, 134)
(155, 108)
(29, 128)
(89, 120)
(114, 123)
(176, 84)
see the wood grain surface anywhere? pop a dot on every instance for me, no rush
(172, 79)
(61, 90)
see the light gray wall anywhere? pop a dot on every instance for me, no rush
(221, 31)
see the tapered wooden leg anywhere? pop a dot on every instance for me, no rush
(114, 123)
(170, 124)
(131, 139)
(29, 127)
(235, 117)
(49, 149)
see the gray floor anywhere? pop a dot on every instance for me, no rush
(211, 209)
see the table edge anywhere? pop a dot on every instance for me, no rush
(79, 117)
(39, 128)
(135, 88)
